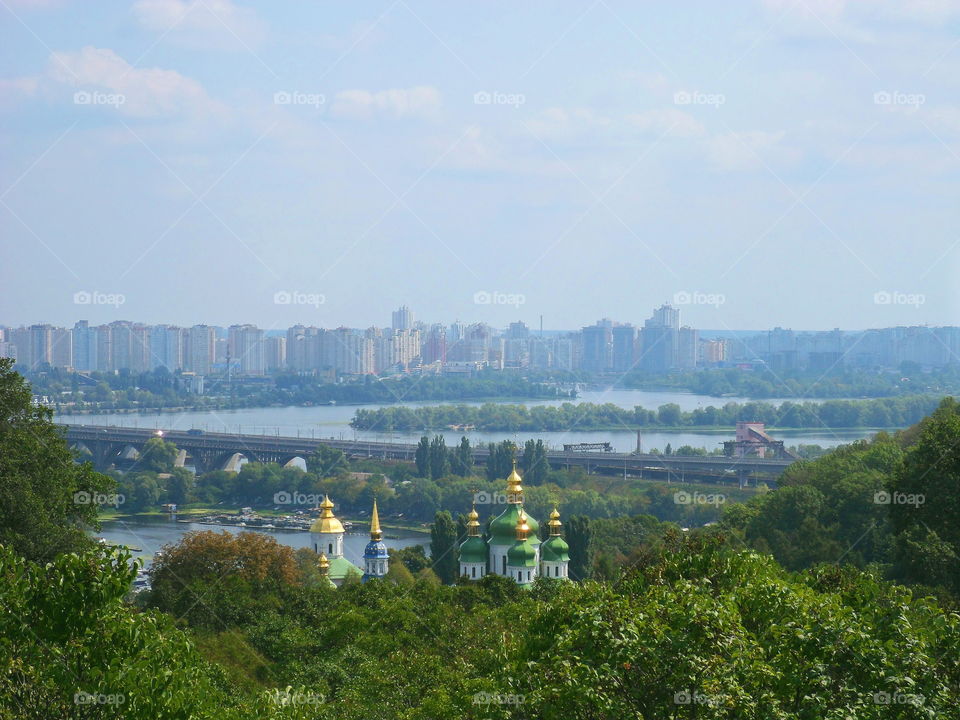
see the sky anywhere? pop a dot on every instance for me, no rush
(757, 163)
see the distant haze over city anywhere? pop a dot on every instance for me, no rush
(771, 163)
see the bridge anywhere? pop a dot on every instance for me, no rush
(214, 451)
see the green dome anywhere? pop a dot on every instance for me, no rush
(473, 550)
(503, 529)
(522, 554)
(555, 549)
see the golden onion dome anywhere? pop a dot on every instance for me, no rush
(324, 564)
(554, 524)
(327, 522)
(473, 523)
(514, 486)
(523, 529)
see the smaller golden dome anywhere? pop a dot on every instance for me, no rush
(323, 564)
(514, 486)
(473, 523)
(327, 522)
(523, 529)
(554, 524)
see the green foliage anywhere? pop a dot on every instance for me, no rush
(157, 456)
(46, 499)
(443, 547)
(884, 412)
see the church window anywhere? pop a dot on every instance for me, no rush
(473, 572)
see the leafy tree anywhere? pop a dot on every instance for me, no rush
(462, 460)
(443, 547)
(180, 486)
(578, 539)
(157, 456)
(439, 460)
(422, 457)
(46, 499)
(219, 580)
(327, 461)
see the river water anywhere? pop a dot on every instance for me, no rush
(150, 534)
(334, 421)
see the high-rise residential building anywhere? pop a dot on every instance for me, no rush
(625, 345)
(405, 347)
(104, 348)
(352, 351)
(275, 353)
(141, 358)
(713, 352)
(666, 316)
(121, 342)
(84, 346)
(246, 349)
(61, 347)
(20, 339)
(200, 349)
(167, 347)
(597, 347)
(402, 319)
(41, 346)
(434, 348)
(688, 349)
(660, 340)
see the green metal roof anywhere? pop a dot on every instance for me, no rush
(341, 567)
(522, 554)
(473, 550)
(503, 529)
(555, 549)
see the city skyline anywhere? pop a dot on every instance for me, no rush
(800, 164)
(663, 343)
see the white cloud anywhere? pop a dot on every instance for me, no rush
(416, 102)
(197, 22)
(750, 150)
(147, 92)
(675, 123)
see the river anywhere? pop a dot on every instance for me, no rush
(334, 421)
(150, 534)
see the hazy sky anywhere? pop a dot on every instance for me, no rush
(762, 163)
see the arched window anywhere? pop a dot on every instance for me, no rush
(504, 564)
(331, 548)
(473, 571)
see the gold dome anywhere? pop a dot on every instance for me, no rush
(554, 524)
(514, 486)
(327, 522)
(473, 523)
(323, 564)
(523, 530)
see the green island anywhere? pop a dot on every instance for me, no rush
(879, 413)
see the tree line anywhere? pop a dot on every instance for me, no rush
(837, 414)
